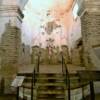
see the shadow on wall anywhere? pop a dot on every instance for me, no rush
(77, 53)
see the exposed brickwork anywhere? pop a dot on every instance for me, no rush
(10, 45)
(11, 42)
(90, 28)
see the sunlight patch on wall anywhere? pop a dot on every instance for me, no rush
(75, 11)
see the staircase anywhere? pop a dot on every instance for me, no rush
(55, 83)
(49, 83)
(50, 86)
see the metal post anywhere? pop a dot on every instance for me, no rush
(17, 98)
(62, 62)
(34, 80)
(92, 90)
(83, 97)
(2, 86)
(38, 63)
(80, 82)
(69, 93)
(32, 88)
(23, 92)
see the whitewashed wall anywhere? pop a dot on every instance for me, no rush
(75, 34)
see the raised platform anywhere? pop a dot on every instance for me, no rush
(46, 68)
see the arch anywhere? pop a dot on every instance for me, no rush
(78, 43)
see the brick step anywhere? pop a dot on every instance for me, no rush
(50, 91)
(41, 76)
(50, 98)
(46, 79)
(28, 86)
(51, 88)
(50, 75)
(51, 95)
(51, 80)
(51, 84)
(25, 74)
